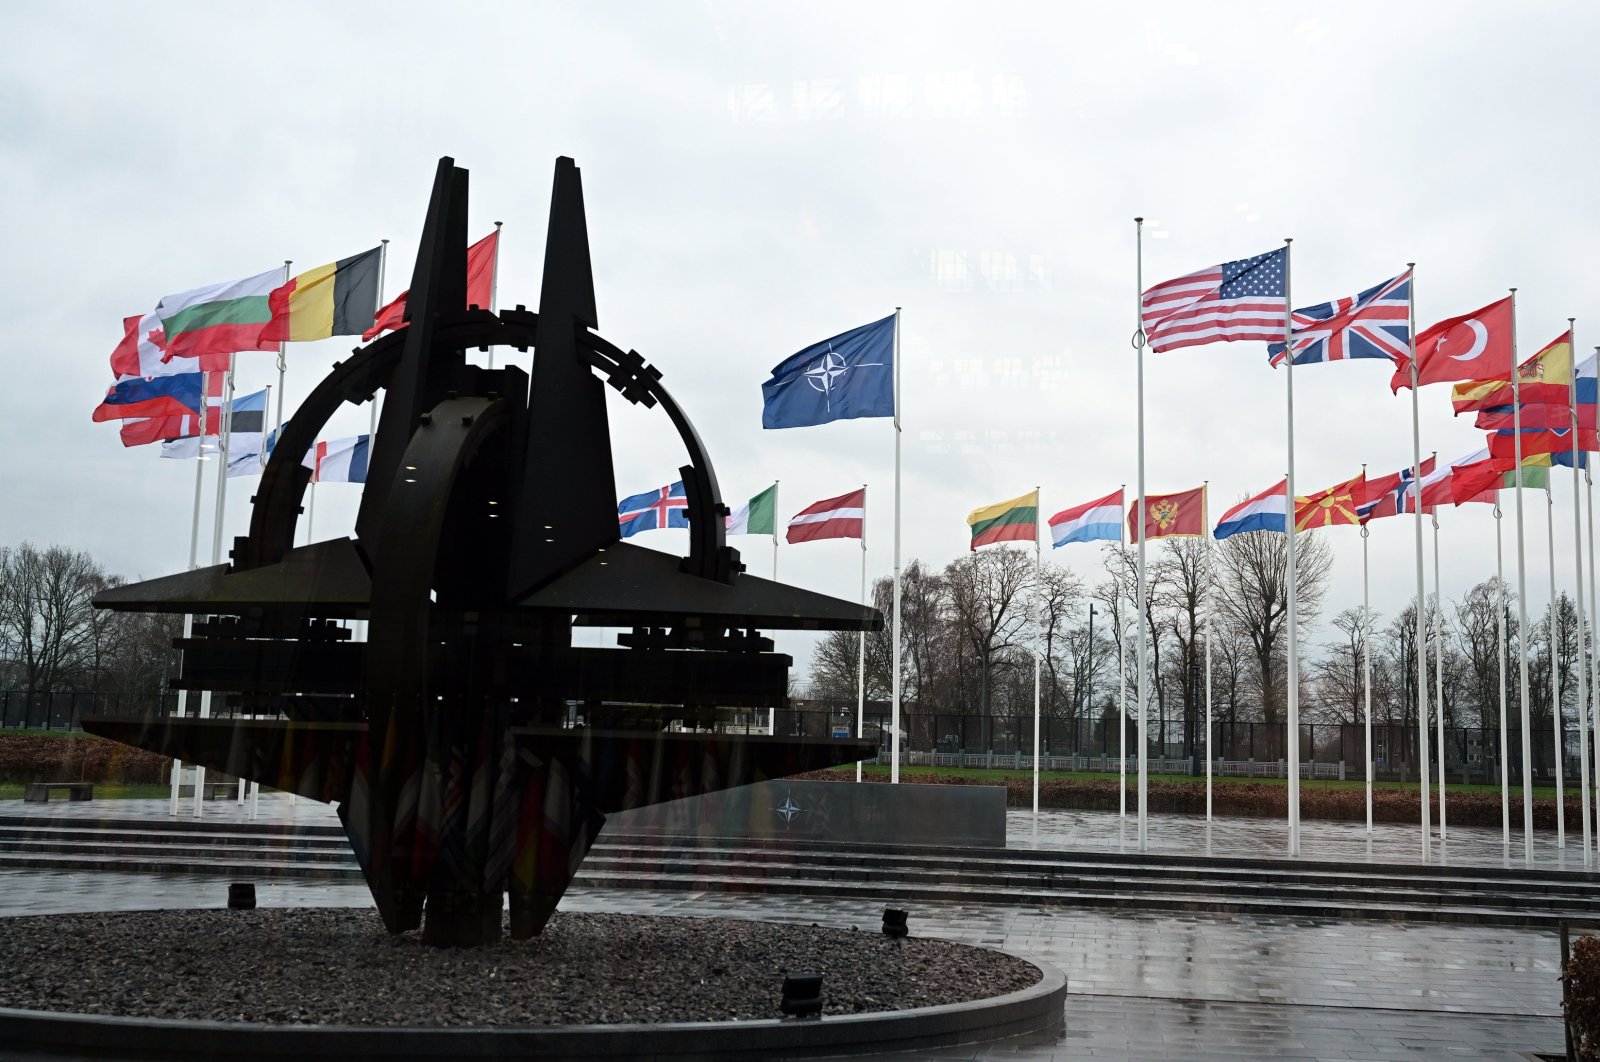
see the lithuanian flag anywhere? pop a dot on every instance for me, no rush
(1016, 520)
(338, 299)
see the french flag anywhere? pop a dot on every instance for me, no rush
(1267, 511)
(339, 460)
(1096, 521)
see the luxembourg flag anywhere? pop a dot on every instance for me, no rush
(339, 460)
(1096, 521)
(1267, 511)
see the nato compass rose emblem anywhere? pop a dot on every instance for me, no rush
(788, 809)
(824, 375)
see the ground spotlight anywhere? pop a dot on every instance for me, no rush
(894, 923)
(802, 995)
(241, 895)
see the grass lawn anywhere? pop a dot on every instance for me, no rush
(982, 774)
(9, 791)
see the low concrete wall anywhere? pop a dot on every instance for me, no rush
(846, 812)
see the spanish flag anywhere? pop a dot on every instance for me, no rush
(1016, 520)
(338, 299)
(1544, 379)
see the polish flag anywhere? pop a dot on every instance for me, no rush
(841, 517)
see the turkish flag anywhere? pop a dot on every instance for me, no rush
(1181, 515)
(1474, 346)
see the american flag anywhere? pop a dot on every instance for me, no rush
(1373, 324)
(1234, 300)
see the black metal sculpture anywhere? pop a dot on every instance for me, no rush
(472, 748)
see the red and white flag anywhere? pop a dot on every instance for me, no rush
(1474, 346)
(481, 258)
(841, 517)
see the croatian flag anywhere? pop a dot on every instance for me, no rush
(653, 510)
(339, 460)
(1096, 521)
(1267, 511)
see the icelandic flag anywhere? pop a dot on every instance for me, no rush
(1096, 521)
(338, 460)
(653, 510)
(1267, 511)
(848, 376)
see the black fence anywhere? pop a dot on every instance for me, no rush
(65, 709)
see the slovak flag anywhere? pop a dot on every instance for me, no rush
(1267, 511)
(1096, 521)
(654, 510)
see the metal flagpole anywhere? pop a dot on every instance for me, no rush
(1205, 524)
(216, 541)
(1583, 624)
(1522, 598)
(775, 534)
(1292, 621)
(1038, 571)
(311, 509)
(1422, 593)
(1594, 654)
(283, 360)
(1366, 656)
(494, 284)
(1558, 750)
(894, 679)
(1139, 594)
(1122, 720)
(194, 558)
(1500, 627)
(383, 264)
(861, 649)
(1438, 662)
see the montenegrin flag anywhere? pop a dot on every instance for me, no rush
(841, 517)
(758, 516)
(337, 299)
(1016, 520)
(1096, 521)
(213, 322)
(1181, 515)
(1267, 511)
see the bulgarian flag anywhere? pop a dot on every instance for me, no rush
(338, 299)
(758, 516)
(213, 322)
(1016, 520)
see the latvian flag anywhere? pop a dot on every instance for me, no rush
(1096, 521)
(339, 460)
(841, 517)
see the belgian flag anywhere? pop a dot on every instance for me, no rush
(338, 299)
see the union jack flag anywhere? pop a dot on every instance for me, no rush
(1373, 324)
(654, 510)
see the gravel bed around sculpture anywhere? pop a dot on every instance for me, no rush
(340, 967)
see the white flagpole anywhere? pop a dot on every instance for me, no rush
(1594, 613)
(861, 648)
(1522, 598)
(894, 720)
(1438, 663)
(1422, 592)
(216, 541)
(1558, 751)
(1205, 524)
(1292, 620)
(383, 265)
(194, 559)
(1500, 628)
(1139, 594)
(1122, 721)
(1366, 657)
(1583, 624)
(494, 283)
(775, 538)
(283, 361)
(1038, 569)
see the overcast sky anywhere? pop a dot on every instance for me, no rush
(761, 176)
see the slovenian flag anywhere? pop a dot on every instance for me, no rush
(1096, 521)
(1267, 511)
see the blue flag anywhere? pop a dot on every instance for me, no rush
(654, 510)
(848, 376)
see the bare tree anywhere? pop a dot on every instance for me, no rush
(989, 593)
(46, 619)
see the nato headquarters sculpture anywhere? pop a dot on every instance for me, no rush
(472, 748)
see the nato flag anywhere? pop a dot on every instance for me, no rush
(848, 376)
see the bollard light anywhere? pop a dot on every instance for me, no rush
(802, 995)
(894, 923)
(241, 895)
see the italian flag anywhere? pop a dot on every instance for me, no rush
(758, 516)
(213, 322)
(1016, 520)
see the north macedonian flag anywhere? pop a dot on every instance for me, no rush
(1333, 507)
(1181, 515)
(1016, 520)
(337, 299)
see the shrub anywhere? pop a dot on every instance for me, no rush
(1582, 1005)
(77, 758)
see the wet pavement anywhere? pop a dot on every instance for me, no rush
(1141, 984)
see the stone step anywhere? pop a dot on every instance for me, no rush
(172, 852)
